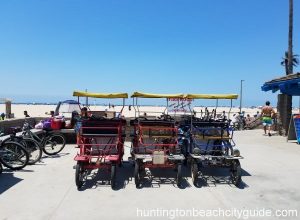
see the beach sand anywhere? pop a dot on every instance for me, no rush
(33, 110)
(41, 110)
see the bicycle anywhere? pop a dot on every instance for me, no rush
(13, 155)
(32, 146)
(51, 142)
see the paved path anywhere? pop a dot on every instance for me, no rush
(47, 190)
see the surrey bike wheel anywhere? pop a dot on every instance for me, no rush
(236, 172)
(179, 178)
(33, 148)
(54, 144)
(80, 175)
(195, 172)
(137, 174)
(13, 155)
(113, 176)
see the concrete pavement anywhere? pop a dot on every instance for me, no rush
(47, 190)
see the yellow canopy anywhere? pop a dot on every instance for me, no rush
(211, 96)
(152, 95)
(100, 95)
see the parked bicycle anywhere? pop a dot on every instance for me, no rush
(51, 142)
(13, 155)
(32, 146)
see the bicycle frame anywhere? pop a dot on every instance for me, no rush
(35, 137)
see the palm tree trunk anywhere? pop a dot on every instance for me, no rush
(284, 108)
(286, 65)
(286, 104)
(290, 43)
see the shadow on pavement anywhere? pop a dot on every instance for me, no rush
(211, 177)
(55, 156)
(154, 178)
(101, 177)
(8, 180)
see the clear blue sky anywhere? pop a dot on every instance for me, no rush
(50, 48)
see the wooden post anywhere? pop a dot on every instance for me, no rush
(8, 108)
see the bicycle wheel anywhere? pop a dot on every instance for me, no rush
(33, 148)
(13, 155)
(54, 144)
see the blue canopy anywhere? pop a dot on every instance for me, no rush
(289, 85)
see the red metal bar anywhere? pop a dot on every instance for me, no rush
(117, 128)
(158, 145)
(157, 128)
(96, 144)
(151, 151)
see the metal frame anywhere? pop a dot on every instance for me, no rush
(221, 153)
(163, 155)
(105, 158)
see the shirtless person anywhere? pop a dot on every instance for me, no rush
(267, 113)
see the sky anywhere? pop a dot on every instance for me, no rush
(49, 48)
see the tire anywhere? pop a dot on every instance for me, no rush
(236, 172)
(113, 176)
(33, 148)
(137, 174)
(179, 175)
(185, 152)
(13, 155)
(79, 175)
(195, 172)
(54, 144)
(1, 168)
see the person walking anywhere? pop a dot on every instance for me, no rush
(267, 113)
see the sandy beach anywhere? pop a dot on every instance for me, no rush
(33, 110)
(42, 110)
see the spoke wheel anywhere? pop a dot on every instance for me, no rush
(13, 155)
(236, 171)
(54, 144)
(33, 148)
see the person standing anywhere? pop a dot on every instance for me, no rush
(2, 116)
(26, 114)
(78, 119)
(267, 113)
